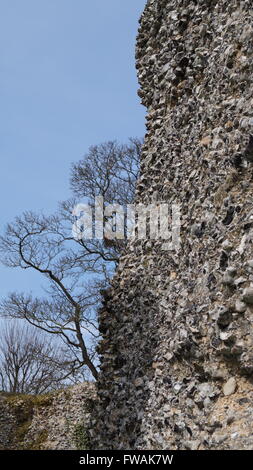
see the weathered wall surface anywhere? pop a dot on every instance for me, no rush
(47, 422)
(177, 348)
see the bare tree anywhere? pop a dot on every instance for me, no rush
(109, 170)
(76, 269)
(29, 362)
(39, 243)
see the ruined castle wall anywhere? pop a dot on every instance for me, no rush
(177, 347)
(57, 421)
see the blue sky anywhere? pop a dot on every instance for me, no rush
(67, 81)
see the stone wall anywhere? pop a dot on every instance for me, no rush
(59, 420)
(177, 347)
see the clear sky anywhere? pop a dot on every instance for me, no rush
(67, 81)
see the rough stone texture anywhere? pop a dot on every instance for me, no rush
(55, 421)
(177, 326)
